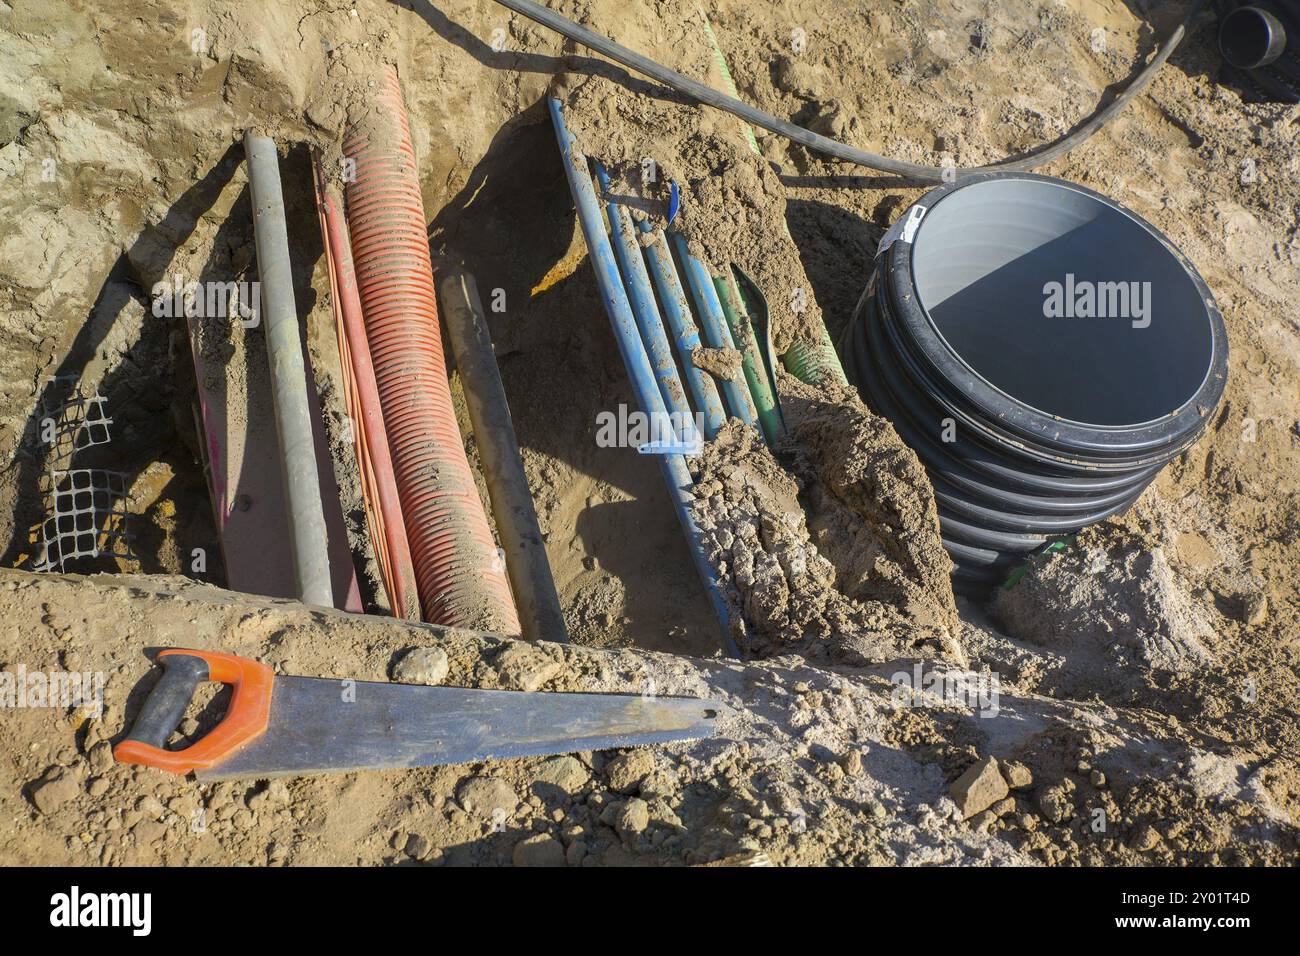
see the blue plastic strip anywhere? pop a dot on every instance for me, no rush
(685, 335)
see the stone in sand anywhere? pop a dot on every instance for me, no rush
(521, 667)
(626, 771)
(56, 788)
(979, 788)
(423, 665)
(539, 850)
(485, 796)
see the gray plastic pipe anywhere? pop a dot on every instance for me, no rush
(288, 375)
(527, 566)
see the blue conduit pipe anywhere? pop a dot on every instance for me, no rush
(676, 475)
(627, 250)
(716, 332)
(685, 335)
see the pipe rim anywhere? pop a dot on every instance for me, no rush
(1155, 436)
(1251, 37)
(917, 393)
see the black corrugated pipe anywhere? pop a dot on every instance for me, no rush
(1043, 350)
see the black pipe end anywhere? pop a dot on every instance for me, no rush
(1251, 37)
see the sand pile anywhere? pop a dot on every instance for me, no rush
(789, 597)
(1094, 607)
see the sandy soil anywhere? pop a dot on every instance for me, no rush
(1149, 673)
(810, 766)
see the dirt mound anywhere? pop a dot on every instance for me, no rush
(873, 510)
(780, 587)
(787, 594)
(810, 767)
(750, 789)
(1105, 613)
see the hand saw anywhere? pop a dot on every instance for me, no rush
(299, 725)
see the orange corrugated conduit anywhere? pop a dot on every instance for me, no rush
(459, 574)
(374, 463)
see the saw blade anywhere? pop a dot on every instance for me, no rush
(318, 725)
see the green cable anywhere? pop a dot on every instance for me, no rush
(726, 75)
(1020, 570)
(808, 362)
(742, 334)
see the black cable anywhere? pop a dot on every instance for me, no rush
(756, 117)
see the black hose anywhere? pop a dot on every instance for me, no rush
(823, 144)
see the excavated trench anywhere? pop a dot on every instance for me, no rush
(131, 362)
(827, 542)
(858, 519)
(615, 588)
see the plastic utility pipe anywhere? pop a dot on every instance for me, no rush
(1063, 429)
(715, 326)
(288, 375)
(627, 250)
(1261, 42)
(816, 363)
(461, 578)
(685, 335)
(742, 333)
(676, 475)
(383, 506)
(1252, 37)
(503, 468)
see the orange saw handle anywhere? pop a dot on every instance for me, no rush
(183, 671)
